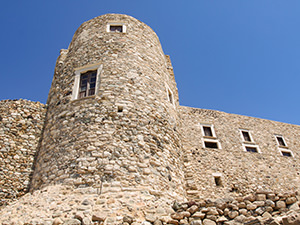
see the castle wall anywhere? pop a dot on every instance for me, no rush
(89, 142)
(128, 153)
(239, 171)
(21, 123)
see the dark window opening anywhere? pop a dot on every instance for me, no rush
(246, 136)
(116, 28)
(251, 149)
(170, 96)
(281, 141)
(87, 84)
(120, 108)
(209, 144)
(286, 154)
(218, 181)
(207, 131)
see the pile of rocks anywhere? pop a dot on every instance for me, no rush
(258, 208)
(21, 123)
(64, 205)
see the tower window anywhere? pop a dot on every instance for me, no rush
(280, 141)
(120, 108)
(217, 179)
(207, 131)
(286, 153)
(170, 96)
(87, 84)
(87, 81)
(116, 28)
(211, 144)
(251, 148)
(246, 136)
(209, 137)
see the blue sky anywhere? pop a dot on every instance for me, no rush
(237, 56)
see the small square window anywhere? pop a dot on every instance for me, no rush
(217, 179)
(120, 108)
(251, 148)
(208, 130)
(280, 141)
(246, 136)
(285, 153)
(116, 28)
(211, 144)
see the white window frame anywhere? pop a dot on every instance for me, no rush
(251, 146)
(169, 91)
(84, 69)
(286, 150)
(280, 146)
(242, 136)
(211, 128)
(213, 141)
(116, 24)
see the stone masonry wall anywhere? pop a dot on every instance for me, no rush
(240, 172)
(21, 123)
(89, 142)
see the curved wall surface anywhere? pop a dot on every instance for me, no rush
(127, 131)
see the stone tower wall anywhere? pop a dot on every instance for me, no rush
(21, 123)
(88, 142)
(241, 172)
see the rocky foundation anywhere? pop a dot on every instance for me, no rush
(85, 206)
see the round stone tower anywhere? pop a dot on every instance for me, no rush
(112, 120)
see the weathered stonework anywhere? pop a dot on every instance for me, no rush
(130, 154)
(241, 171)
(21, 124)
(87, 142)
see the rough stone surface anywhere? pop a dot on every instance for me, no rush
(130, 154)
(21, 123)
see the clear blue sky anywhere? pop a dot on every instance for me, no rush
(237, 56)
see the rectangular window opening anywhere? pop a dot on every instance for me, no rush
(246, 136)
(281, 141)
(207, 131)
(288, 154)
(251, 149)
(170, 96)
(87, 84)
(116, 28)
(120, 108)
(210, 144)
(218, 181)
